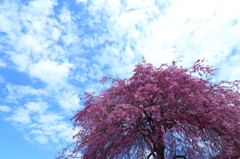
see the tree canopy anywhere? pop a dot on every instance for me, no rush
(160, 112)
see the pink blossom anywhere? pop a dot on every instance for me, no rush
(160, 110)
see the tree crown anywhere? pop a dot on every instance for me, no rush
(160, 112)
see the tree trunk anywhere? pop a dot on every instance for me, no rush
(160, 152)
(179, 156)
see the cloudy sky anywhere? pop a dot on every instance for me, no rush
(51, 51)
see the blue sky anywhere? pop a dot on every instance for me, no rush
(52, 51)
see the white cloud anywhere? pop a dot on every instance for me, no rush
(20, 115)
(137, 4)
(81, 78)
(7, 16)
(51, 72)
(4, 108)
(35, 36)
(95, 87)
(65, 16)
(230, 69)
(69, 101)
(2, 79)
(33, 43)
(56, 33)
(21, 60)
(68, 27)
(192, 33)
(2, 64)
(36, 132)
(128, 55)
(41, 139)
(81, 1)
(40, 8)
(49, 118)
(68, 133)
(69, 39)
(16, 92)
(41, 126)
(39, 107)
(36, 45)
(23, 115)
(184, 32)
(53, 131)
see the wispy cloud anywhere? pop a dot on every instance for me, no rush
(40, 125)
(2, 64)
(69, 101)
(39, 43)
(81, 1)
(2, 79)
(4, 108)
(52, 73)
(16, 92)
(20, 115)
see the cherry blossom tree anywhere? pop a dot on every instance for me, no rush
(160, 112)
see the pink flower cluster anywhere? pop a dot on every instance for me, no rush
(160, 112)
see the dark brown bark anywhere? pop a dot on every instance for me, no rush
(160, 152)
(179, 156)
